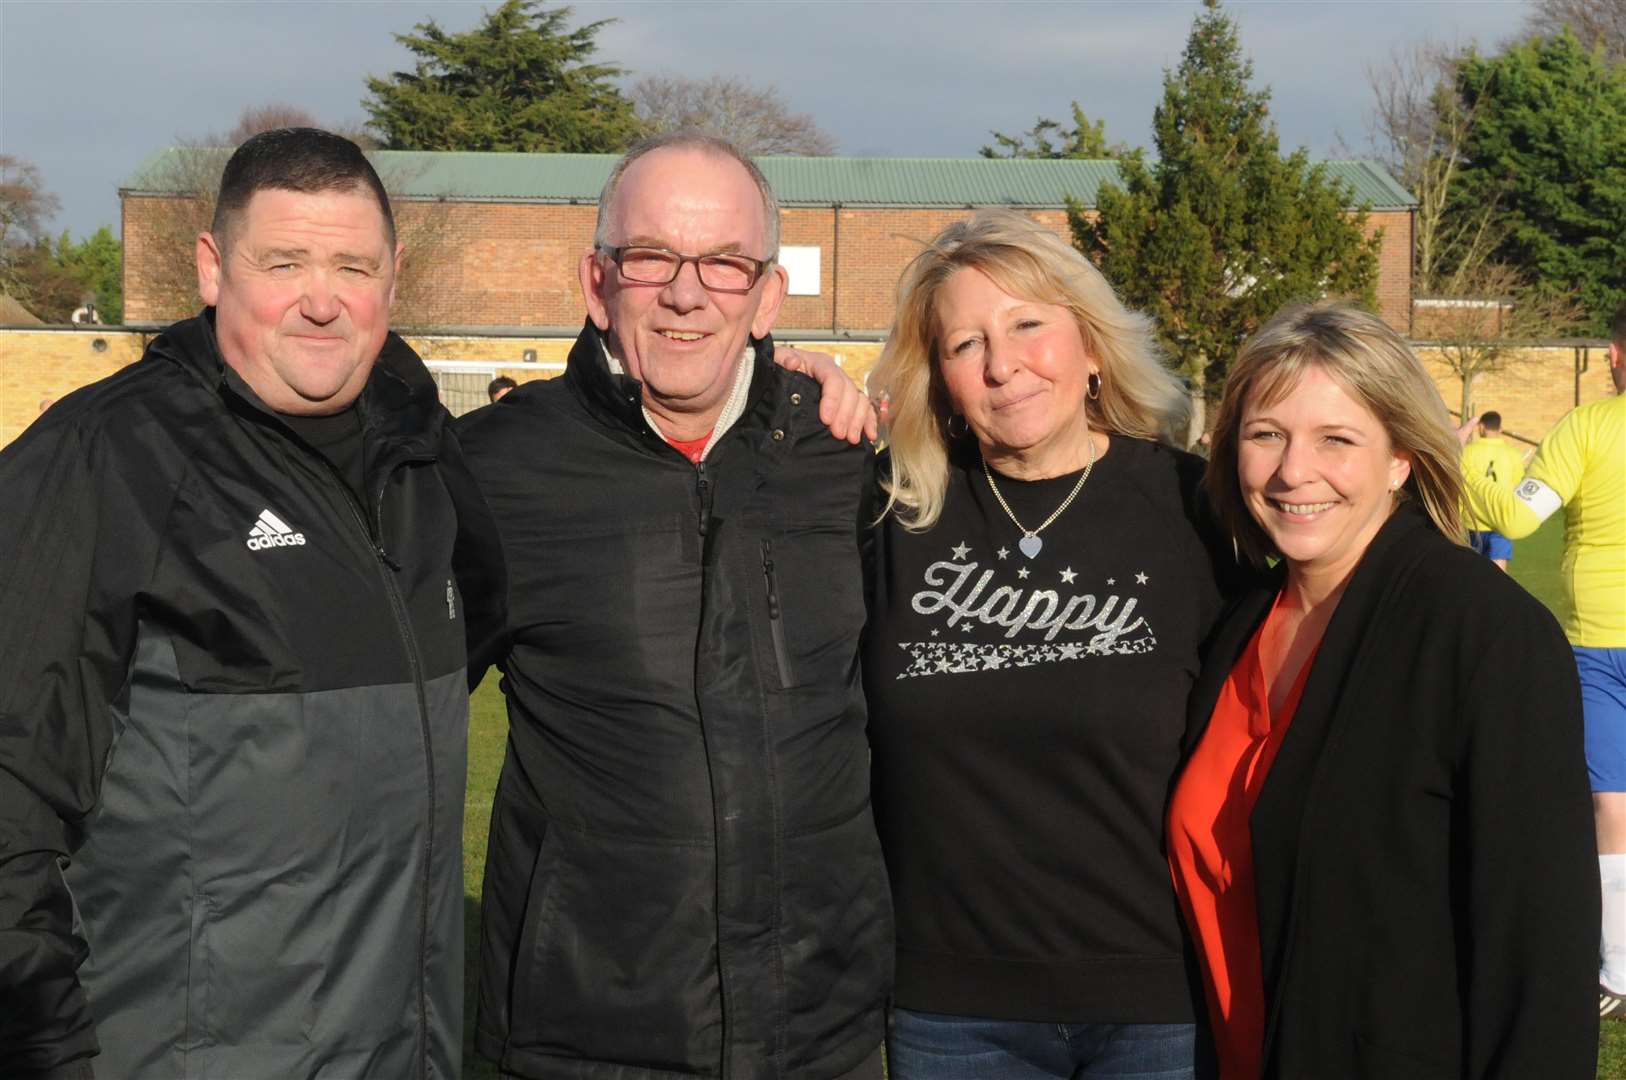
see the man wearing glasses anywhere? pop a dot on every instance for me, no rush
(683, 876)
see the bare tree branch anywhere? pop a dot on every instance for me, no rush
(1418, 128)
(1594, 22)
(753, 117)
(261, 118)
(1485, 321)
(25, 207)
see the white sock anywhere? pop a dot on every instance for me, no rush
(1612, 955)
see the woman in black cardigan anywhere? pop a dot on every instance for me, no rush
(1382, 838)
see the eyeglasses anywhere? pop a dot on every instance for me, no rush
(657, 266)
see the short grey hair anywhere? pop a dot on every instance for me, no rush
(687, 140)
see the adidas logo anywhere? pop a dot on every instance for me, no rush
(271, 531)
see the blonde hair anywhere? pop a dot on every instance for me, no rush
(1378, 369)
(1139, 397)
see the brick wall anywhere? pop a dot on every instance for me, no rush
(36, 365)
(1534, 389)
(492, 264)
(514, 264)
(1394, 267)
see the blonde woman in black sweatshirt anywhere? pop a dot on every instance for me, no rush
(1043, 576)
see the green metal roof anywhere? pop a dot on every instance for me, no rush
(798, 181)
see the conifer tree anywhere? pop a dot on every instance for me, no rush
(1221, 230)
(1548, 150)
(520, 81)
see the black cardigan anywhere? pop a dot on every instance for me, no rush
(1423, 846)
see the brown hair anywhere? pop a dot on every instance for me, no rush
(1378, 369)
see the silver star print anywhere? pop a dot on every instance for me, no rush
(1068, 575)
(1112, 581)
(934, 633)
(1022, 572)
(1004, 553)
(1140, 579)
(965, 628)
(960, 551)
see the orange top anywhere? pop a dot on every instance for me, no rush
(1211, 852)
(691, 448)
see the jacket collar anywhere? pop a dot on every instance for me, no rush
(400, 407)
(1277, 820)
(619, 397)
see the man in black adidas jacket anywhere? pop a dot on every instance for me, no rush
(683, 877)
(232, 685)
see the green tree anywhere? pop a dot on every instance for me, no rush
(520, 81)
(96, 263)
(25, 206)
(1086, 139)
(55, 277)
(1548, 149)
(1222, 230)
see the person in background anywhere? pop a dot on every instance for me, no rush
(1581, 467)
(498, 387)
(1380, 838)
(1494, 459)
(1044, 574)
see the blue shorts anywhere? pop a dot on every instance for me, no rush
(1492, 545)
(1603, 709)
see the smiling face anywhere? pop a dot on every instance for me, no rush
(301, 289)
(1017, 370)
(1318, 473)
(682, 340)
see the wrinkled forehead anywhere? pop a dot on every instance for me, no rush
(689, 200)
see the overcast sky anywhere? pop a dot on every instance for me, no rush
(88, 88)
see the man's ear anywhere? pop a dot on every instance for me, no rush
(211, 264)
(775, 283)
(592, 272)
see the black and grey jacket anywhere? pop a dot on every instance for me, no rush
(683, 878)
(233, 705)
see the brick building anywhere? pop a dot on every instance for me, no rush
(493, 239)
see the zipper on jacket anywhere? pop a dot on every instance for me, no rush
(776, 617)
(409, 642)
(703, 489)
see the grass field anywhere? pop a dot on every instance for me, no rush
(1535, 566)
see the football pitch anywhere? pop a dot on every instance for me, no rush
(1535, 566)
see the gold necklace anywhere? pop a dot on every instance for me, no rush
(1030, 544)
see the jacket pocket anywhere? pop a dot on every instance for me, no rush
(259, 974)
(617, 960)
(814, 581)
(838, 940)
(776, 619)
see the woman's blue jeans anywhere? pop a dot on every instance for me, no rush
(931, 1046)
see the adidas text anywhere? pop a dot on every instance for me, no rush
(271, 531)
(258, 543)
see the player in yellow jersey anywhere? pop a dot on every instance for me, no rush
(1498, 461)
(1581, 465)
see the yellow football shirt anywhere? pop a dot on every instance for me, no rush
(1496, 459)
(1581, 466)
